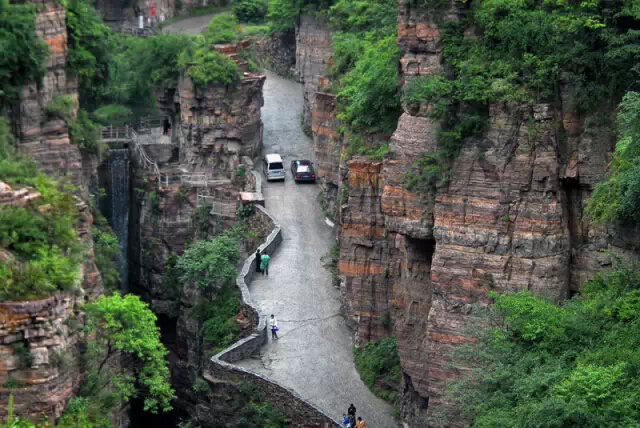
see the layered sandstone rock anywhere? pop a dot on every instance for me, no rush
(313, 58)
(510, 218)
(39, 339)
(220, 120)
(43, 138)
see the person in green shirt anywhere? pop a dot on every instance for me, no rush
(264, 264)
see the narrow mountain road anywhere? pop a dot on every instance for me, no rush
(313, 355)
(194, 25)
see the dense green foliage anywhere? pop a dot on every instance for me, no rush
(22, 53)
(222, 28)
(366, 60)
(106, 249)
(369, 97)
(206, 66)
(125, 326)
(618, 197)
(41, 237)
(256, 410)
(218, 317)
(78, 414)
(544, 365)
(210, 264)
(113, 114)
(379, 363)
(250, 10)
(141, 64)
(90, 50)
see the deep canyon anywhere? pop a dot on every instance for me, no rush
(411, 264)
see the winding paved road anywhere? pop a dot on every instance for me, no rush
(314, 353)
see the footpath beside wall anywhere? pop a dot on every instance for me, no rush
(220, 371)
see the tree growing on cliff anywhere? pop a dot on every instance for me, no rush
(126, 358)
(22, 53)
(545, 365)
(618, 197)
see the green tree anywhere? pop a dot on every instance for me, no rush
(369, 98)
(125, 326)
(210, 264)
(546, 365)
(22, 53)
(90, 51)
(618, 197)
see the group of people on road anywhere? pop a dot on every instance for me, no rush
(349, 419)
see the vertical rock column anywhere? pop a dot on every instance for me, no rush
(47, 140)
(313, 55)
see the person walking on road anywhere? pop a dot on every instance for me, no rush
(264, 264)
(351, 410)
(361, 423)
(258, 261)
(274, 327)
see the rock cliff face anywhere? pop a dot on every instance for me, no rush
(220, 119)
(219, 131)
(510, 218)
(45, 139)
(313, 55)
(39, 339)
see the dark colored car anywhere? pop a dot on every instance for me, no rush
(302, 170)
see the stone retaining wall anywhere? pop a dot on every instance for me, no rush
(221, 370)
(277, 52)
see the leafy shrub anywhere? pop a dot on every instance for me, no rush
(106, 251)
(86, 133)
(219, 328)
(370, 97)
(540, 364)
(256, 410)
(23, 354)
(22, 53)
(41, 237)
(201, 386)
(206, 66)
(90, 50)
(251, 10)
(379, 361)
(374, 151)
(222, 28)
(282, 14)
(246, 211)
(61, 107)
(113, 114)
(210, 264)
(618, 197)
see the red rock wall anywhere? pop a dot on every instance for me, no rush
(511, 218)
(313, 58)
(44, 139)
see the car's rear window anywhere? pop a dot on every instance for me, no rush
(303, 168)
(276, 165)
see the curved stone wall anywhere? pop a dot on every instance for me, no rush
(221, 368)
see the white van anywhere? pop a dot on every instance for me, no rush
(273, 167)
